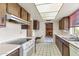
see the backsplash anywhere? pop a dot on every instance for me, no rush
(11, 32)
(64, 32)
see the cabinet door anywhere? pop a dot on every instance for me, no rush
(65, 49)
(66, 23)
(59, 43)
(56, 40)
(35, 25)
(60, 46)
(14, 9)
(23, 14)
(2, 14)
(61, 24)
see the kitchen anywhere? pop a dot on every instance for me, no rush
(23, 30)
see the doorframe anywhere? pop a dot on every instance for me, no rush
(45, 28)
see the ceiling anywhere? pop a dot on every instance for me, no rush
(53, 11)
(66, 10)
(48, 10)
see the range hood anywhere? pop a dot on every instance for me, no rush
(12, 18)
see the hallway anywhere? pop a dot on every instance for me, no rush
(46, 49)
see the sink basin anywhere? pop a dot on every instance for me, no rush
(73, 40)
(19, 41)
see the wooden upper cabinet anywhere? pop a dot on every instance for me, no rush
(2, 9)
(64, 23)
(61, 24)
(2, 14)
(23, 14)
(36, 25)
(14, 9)
(28, 17)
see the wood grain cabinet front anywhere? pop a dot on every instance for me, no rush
(61, 24)
(23, 14)
(2, 14)
(59, 43)
(14, 9)
(36, 25)
(63, 46)
(64, 23)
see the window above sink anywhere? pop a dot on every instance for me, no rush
(74, 31)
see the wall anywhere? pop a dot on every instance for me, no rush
(11, 32)
(41, 31)
(55, 28)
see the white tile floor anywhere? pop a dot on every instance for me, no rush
(48, 39)
(46, 49)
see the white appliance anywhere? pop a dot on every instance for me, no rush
(27, 45)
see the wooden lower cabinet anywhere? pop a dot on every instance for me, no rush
(59, 44)
(63, 46)
(65, 50)
(14, 53)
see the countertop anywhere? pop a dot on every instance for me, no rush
(5, 49)
(65, 36)
(4, 41)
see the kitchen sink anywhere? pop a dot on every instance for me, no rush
(71, 38)
(74, 40)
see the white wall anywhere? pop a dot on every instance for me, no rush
(41, 31)
(55, 28)
(11, 32)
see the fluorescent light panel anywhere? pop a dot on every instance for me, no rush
(48, 10)
(49, 14)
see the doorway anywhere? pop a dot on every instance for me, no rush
(49, 30)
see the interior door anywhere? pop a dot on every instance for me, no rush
(49, 29)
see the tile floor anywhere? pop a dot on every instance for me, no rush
(48, 39)
(46, 49)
